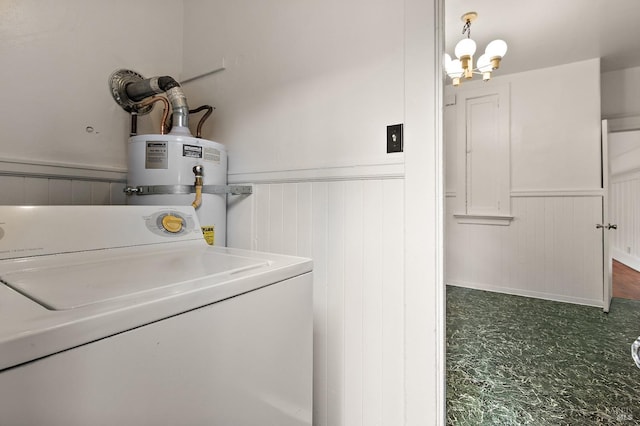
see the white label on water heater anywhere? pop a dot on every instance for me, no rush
(157, 155)
(212, 154)
(192, 151)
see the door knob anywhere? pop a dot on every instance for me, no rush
(607, 226)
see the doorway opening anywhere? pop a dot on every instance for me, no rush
(626, 281)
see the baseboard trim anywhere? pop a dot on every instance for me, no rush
(533, 193)
(528, 293)
(527, 193)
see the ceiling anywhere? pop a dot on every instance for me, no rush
(545, 33)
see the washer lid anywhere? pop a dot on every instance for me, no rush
(70, 281)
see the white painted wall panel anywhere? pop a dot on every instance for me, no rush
(60, 192)
(620, 90)
(275, 233)
(555, 113)
(392, 243)
(320, 253)
(373, 263)
(306, 84)
(240, 218)
(354, 292)
(350, 229)
(80, 192)
(118, 196)
(336, 264)
(61, 54)
(304, 219)
(37, 190)
(624, 199)
(289, 217)
(11, 190)
(552, 250)
(100, 193)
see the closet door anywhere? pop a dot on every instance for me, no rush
(483, 154)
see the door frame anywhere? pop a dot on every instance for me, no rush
(607, 260)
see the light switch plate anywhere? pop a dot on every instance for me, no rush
(394, 138)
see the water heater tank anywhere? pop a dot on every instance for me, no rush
(161, 170)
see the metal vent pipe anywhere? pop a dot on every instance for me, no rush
(129, 88)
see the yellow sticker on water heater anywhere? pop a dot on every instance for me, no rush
(209, 234)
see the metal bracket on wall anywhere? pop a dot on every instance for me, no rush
(188, 189)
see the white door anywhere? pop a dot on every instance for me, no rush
(605, 226)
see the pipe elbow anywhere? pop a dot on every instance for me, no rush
(140, 90)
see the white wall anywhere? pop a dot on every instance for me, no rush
(621, 105)
(20, 189)
(620, 91)
(57, 58)
(555, 122)
(624, 198)
(306, 85)
(551, 250)
(302, 105)
(555, 192)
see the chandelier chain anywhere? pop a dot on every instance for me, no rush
(467, 28)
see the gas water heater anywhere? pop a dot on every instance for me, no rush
(173, 168)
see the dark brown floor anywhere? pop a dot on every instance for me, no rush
(626, 281)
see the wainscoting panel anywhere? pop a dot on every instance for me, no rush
(26, 183)
(624, 210)
(26, 190)
(551, 250)
(352, 230)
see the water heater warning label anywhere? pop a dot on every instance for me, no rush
(192, 151)
(209, 234)
(212, 154)
(157, 155)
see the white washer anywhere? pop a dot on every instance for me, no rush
(108, 318)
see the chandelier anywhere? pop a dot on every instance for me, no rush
(466, 48)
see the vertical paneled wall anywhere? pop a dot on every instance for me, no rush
(18, 190)
(551, 250)
(353, 231)
(624, 206)
(624, 199)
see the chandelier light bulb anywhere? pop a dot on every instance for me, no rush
(454, 70)
(496, 51)
(465, 48)
(464, 51)
(485, 67)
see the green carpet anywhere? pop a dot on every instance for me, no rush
(520, 361)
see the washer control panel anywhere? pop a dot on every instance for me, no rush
(27, 231)
(169, 223)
